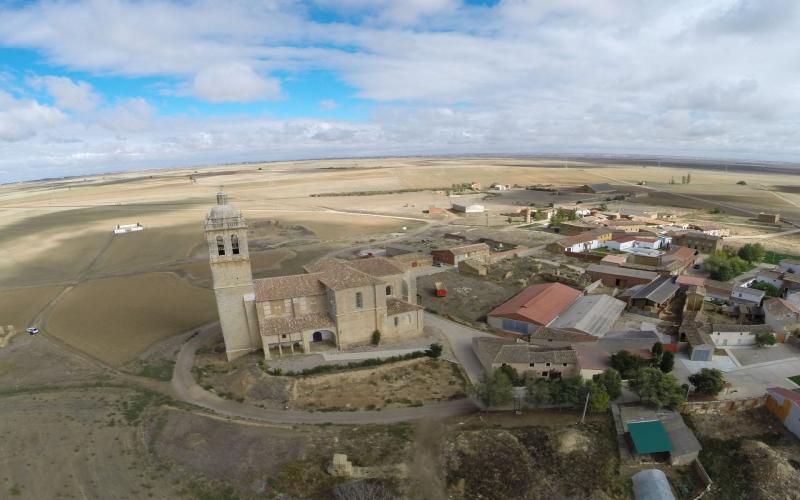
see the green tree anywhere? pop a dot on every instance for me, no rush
(708, 381)
(567, 392)
(599, 399)
(770, 289)
(765, 338)
(612, 381)
(539, 392)
(658, 388)
(376, 337)
(627, 363)
(512, 374)
(752, 252)
(723, 266)
(494, 390)
(667, 362)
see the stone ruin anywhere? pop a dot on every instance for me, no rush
(340, 466)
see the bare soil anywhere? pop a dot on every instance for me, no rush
(115, 319)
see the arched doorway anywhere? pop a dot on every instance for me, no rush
(323, 336)
(317, 337)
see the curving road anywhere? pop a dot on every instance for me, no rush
(186, 389)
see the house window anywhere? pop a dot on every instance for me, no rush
(565, 364)
(234, 244)
(396, 320)
(220, 246)
(547, 364)
(359, 300)
(388, 289)
(544, 374)
(532, 364)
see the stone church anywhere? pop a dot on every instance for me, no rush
(341, 302)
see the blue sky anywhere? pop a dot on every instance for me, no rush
(90, 86)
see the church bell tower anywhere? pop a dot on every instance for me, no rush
(226, 235)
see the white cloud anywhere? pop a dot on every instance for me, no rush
(69, 94)
(23, 118)
(234, 82)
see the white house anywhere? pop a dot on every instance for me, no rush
(742, 294)
(128, 228)
(736, 335)
(468, 209)
(630, 241)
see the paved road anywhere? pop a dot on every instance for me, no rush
(460, 339)
(186, 389)
(753, 380)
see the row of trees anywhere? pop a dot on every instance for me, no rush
(562, 215)
(498, 390)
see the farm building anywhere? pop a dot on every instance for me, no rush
(616, 260)
(571, 228)
(734, 335)
(653, 297)
(659, 433)
(128, 228)
(537, 305)
(620, 276)
(469, 209)
(774, 278)
(694, 330)
(472, 267)
(546, 336)
(785, 404)
(600, 188)
(454, 255)
(790, 265)
(769, 218)
(592, 314)
(677, 259)
(718, 290)
(623, 243)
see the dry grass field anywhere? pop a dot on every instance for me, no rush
(114, 319)
(406, 383)
(19, 307)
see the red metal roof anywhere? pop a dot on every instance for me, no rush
(786, 393)
(538, 304)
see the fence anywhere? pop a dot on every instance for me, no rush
(725, 405)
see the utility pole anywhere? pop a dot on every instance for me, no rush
(585, 405)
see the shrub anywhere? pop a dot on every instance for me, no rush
(667, 361)
(752, 252)
(765, 338)
(612, 381)
(770, 289)
(659, 388)
(494, 390)
(742, 183)
(434, 351)
(708, 381)
(376, 337)
(627, 363)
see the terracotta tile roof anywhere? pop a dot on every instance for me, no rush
(583, 237)
(591, 357)
(465, 249)
(677, 252)
(278, 326)
(527, 354)
(338, 276)
(375, 266)
(538, 304)
(686, 280)
(780, 307)
(283, 287)
(396, 306)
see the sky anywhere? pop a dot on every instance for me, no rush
(108, 85)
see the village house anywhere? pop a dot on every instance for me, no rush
(338, 302)
(466, 208)
(653, 434)
(735, 335)
(790, 265)
(620, 277)
(583, 242)
(554, 337)
(454, 255)
(572, 228)
(745, 295)
(471, 267)
(526, 359)
(623, 243)
(782, 316)
(697, 240)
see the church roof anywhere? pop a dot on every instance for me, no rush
(277, 326)
(284, 287)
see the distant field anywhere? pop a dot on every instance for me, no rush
(19, 307)
(115, 319)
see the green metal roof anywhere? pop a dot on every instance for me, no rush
(649, 436)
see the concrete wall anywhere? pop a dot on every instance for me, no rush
(786, 411)
(723, 339)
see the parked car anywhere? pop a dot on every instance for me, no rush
(32, 330)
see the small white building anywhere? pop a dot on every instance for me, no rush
(790, 265)
(128, 228)
(629, 242)
(742, 294)
(736, 335)
(469, 209)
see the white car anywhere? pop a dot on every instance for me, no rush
(32, 330)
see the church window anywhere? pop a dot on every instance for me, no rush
(388, 289)
(220, 246)
(235, 244)
(359, 300)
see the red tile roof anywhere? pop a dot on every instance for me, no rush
(538, 304)
(615, 259)
(687, 280)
